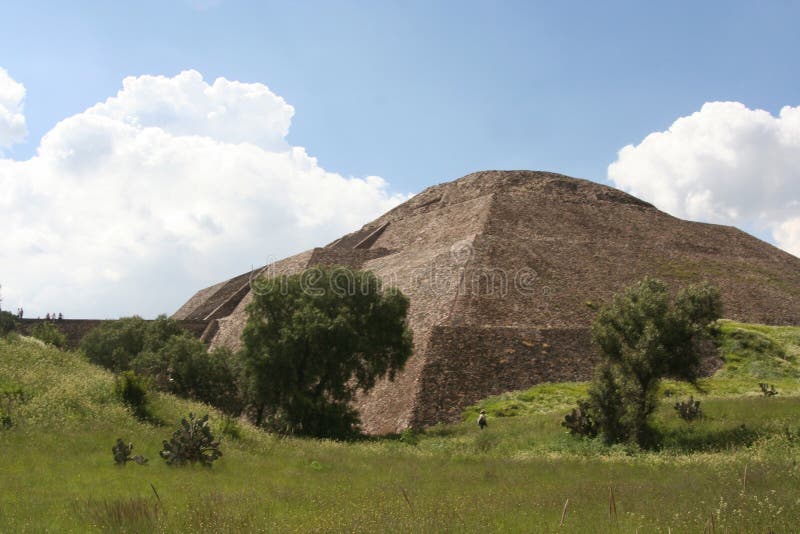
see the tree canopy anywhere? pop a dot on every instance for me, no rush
(645, 335)
(313, 340)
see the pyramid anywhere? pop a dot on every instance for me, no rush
(504, 271)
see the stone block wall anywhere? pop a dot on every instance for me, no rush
(466, 364)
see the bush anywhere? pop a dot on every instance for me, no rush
(48, 333)
(114, 344)
(230, 427)
(192, 442)
(173, 359)
(8, 323)
(132, 390)
(409, 436)
(184, 366)
(688, 410)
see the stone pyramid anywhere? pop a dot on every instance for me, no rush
(504, 270)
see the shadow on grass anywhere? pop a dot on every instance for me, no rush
(698, 439)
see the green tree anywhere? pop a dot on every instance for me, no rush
(114, 344)
(184, 366)
(645, 335)
(313, 340)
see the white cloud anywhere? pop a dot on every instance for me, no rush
(726, 164)
(12, 121)
(787, 234)
(174, 183)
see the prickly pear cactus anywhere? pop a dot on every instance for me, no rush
(768, 390)
(122, 454)
(688, 410)
(192, 442)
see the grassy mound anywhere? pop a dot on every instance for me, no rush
(735, 468)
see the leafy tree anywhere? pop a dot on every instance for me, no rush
(185, 367)
(159, 331)
(114, 344)
(170, 357)
(313, 340)
(645, 335)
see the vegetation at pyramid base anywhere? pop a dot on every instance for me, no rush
(169, 357)
(48, 333)
(644, 336)
(313, 340)
(740, 459)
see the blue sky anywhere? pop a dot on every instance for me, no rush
(424, 92)
(420, 92)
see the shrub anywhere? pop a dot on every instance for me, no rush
(191, 442)
(10, 397)
(688, 410)
(122, 454)
(48, 333)
(8, 323)
(230, 427)
(132, 390)
(409, 436)
(114, 344)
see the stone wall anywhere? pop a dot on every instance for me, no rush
(467, 364)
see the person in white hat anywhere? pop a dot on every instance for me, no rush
(482, 420)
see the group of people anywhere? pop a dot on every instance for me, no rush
(48, 317)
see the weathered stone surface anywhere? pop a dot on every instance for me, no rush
(504, 270)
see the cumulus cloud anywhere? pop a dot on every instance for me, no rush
(12, 121)
(172, 184)
(726, 164)
(788, 235)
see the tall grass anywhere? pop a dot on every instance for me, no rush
(58, 474)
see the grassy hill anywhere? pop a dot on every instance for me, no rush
(736, 468)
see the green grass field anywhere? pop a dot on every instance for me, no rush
(736, 469)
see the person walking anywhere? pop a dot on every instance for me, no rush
(482, 420)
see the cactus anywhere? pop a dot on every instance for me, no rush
(688, 410)
(768, 390)
(192, 442)
(122, 454)
(579, 422)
